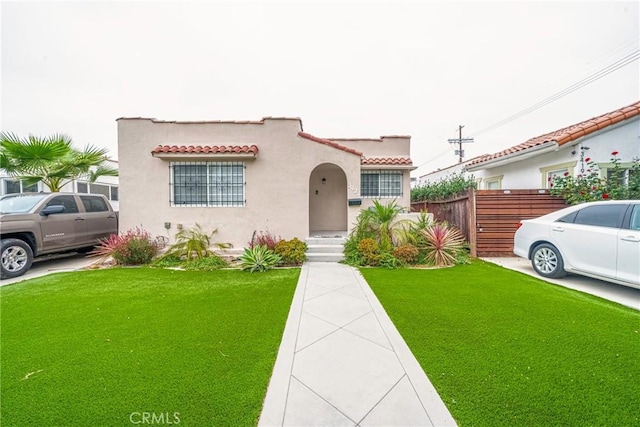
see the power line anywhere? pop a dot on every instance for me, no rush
(626, 60)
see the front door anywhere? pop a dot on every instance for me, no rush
(327, 199)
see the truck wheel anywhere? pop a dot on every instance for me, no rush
(16, 257)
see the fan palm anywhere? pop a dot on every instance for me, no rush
(51, 160)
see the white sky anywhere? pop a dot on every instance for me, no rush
(347, 69)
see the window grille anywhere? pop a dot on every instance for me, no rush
(381, 183)
(210, 184)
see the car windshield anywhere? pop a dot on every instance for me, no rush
(19, 203)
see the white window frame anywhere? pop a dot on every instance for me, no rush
(493, 180)
(383, 193)
(559, 169)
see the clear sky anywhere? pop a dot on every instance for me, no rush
(346, 68)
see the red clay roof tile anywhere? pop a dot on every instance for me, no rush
(206, 149)
(569, 133)
(386, 161)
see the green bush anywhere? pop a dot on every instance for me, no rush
(208, 263)
(259, 258)
(292, 252)
(444, 188)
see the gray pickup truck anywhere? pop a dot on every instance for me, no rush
(35, 224)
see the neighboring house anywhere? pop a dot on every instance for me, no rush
(241, 177)
(107, 185)
(531, 164)
(443, 173)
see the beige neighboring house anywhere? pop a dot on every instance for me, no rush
(241, 177)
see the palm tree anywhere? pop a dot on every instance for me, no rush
(51, 160)
(379, 222)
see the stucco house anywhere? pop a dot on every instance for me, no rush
(240, 177)
(529, 165)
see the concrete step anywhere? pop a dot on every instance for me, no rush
(332, 249)
(324, 257)
(325, 249)
(321, 241)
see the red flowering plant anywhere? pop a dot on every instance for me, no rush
(592, 187)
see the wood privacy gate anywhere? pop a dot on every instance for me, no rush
(489, 218)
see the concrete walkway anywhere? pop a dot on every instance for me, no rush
(343, 363)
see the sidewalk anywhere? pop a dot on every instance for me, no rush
(342, 362)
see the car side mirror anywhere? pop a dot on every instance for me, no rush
(53, 209)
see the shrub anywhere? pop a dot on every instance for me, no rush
(443, 244)
(351, 253)
(193, 243)
(211, 262)
(259, 258)
(292, 252)
(264, 238)
(591, 186)
(387, 260)
(444, 188)
(407, 254)
(134, 247)
(369, 251)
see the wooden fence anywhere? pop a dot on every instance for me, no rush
(489, 218)
(458, 211)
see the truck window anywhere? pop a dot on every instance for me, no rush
(69, 203)
(94, 204)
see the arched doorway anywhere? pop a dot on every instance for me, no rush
(327, 200)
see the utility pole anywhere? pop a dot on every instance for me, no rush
(460, 141)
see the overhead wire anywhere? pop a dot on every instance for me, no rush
(620, 63)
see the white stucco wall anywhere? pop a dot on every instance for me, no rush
(278, 185)
(526, 174)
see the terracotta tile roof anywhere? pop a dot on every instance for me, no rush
(386, 161)
(329, 143)
(569, 133)
(205, 149)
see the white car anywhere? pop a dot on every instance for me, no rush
(596, 239)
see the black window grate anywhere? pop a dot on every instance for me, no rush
(212, 184)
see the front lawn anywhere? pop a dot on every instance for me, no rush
(504, 348)
(105, 347)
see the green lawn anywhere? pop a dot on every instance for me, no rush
(503, 348)
(104, 347)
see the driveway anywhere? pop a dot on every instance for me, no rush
(44, 266)
(617, 293)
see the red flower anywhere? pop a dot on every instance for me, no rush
(614, 153)
(588, 159)
(566, 174)
(551, 185)
(594, 188)
(549, 178)
(605, 196)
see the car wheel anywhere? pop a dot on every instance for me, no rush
(547, 261)
(16, 257)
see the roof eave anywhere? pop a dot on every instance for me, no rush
(394, 167)
(518, 156)
(200, 156)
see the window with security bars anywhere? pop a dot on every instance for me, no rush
(381, 183)
(210, 184)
